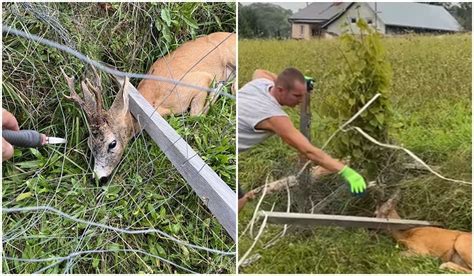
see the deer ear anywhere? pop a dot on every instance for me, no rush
(120, 105)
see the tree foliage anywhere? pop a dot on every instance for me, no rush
(365, 72)
(462, 11)
(263, 20)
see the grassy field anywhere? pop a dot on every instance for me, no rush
(146, 191)
(432, 109)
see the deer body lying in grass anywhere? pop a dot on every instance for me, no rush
(111, 130)
(451, 246)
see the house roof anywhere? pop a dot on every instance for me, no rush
(319, 11)
(416, 15)
(407, 14)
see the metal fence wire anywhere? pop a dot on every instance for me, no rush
(89, 222)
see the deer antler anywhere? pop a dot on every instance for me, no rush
(73, 95)
(97, 88)
(97, 94)
(88, 104)
(98, 80)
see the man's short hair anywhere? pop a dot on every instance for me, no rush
(287, 78)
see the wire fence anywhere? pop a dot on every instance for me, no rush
(9, 30)
(179, 203)
(345, 127)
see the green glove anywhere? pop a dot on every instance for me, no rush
(355, 180)
(309, 83)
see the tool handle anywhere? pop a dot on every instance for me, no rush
(23, 138)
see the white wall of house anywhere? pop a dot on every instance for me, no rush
(356, 11)
(300, 31)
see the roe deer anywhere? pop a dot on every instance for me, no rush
(197, 62)
(451, 246)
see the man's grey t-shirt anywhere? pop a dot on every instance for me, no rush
(255, 104)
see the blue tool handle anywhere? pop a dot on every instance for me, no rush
(23, 138)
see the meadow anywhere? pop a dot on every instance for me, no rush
(145, 191)
(431, 101)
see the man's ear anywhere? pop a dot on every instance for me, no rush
(120, 105)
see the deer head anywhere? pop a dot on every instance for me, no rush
(387, 209)
(111, 130)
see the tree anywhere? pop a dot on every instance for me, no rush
(463, 14)
(263, 20)
(462, 11)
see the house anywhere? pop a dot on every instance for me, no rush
(327, 19)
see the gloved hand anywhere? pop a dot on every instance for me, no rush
(356, 181)
(309, 83)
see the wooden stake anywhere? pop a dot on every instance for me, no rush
(343, 221)
(213, 191)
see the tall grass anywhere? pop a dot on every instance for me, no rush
(432, 104)
(146, 191)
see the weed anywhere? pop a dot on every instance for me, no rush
(431, 100)
(146, 191)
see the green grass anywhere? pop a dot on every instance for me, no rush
(431, 98)
(146, 190)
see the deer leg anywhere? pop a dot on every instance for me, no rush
(163, 111)
(198, 102)
(455, 267)
(462, 246)
(230, 74)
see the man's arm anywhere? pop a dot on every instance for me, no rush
(264, 74)
(283, 127)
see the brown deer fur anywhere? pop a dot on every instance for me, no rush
(198, 62)
(451, 246)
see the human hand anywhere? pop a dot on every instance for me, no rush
(8, 122)
(355, 180)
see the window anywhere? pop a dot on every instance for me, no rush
(353, 20)
(369, 21)
(301, 29)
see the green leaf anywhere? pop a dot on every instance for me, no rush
(162, 212)
(24, 196)
(36, 153)
(29, 164)
(185, 250)
(175, 228)
(191, 22)
(113, 247)
(380, 118)
(158, 25)
(166, 34)
(166, 16)
(95, 262)
(397, 125)
(345, 140)
(218, 21)
(152, 211)
(355, 141)
(373, 123)
(161, 251)
(357, 153)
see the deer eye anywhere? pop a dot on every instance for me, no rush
(113, 144)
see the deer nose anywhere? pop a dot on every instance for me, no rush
(103, 180)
